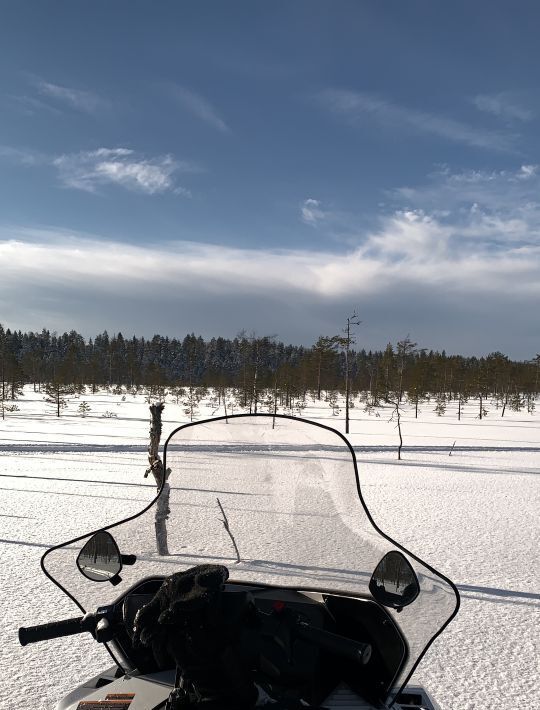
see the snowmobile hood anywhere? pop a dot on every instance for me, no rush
(283, 496)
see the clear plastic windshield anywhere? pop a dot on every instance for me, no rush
(283, 496)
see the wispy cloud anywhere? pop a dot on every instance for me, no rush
(120, 166)
(311, 212)
(197, 105)
(91, 170)
(357, 107)
(81, 100)
(22, 156)
(526, 172)
(416, 273)
(497, 207)
(30, 105)
(504, 106)
(411, 249)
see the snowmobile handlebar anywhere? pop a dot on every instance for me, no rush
(56, 629)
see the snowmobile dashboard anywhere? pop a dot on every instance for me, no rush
(300, 641)
(304, 639)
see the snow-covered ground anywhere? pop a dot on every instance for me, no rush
(474, 515)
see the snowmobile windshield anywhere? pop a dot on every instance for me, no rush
(278, 501)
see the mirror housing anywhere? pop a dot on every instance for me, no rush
(394, 582)
(100, 559)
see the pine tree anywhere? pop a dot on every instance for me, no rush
(83, 409)
(324, 352)
(405, 349)
(440, 406)
(55, 395)
(191, 404)
(333, 402)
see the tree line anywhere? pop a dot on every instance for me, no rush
(262, 369)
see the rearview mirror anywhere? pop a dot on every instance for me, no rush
(394, 582)
(100, 559)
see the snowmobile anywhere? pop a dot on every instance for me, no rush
(256, 577)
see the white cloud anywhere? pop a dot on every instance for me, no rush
(410, 247)
(358, 106)
(85, 101)
(417, 273)
(457, 266)
(88, 170)
(199, 106)
(503, 106)
(500, 206)
(527, 171)
(311, 212)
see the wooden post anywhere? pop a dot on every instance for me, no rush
(160, 477)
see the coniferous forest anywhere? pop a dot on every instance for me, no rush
(262, 371)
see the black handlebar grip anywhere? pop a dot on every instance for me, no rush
(354, 650)
(56, 629)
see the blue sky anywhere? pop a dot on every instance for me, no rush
(210, 167)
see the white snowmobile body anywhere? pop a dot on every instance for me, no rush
(150, 692)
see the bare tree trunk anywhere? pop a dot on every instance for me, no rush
(160, 477)
(347, 380)
(396, 416)
(399, 432)
(275, 402)
(504, 403)
(3, 389)
(255, 376)
(346, 343)
(224, 397)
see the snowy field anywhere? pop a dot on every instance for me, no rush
(474, 515)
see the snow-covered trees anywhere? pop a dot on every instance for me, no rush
(260, 368)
